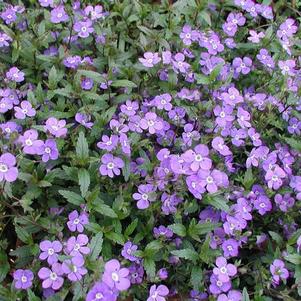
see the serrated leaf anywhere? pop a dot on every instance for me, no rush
(188, 254)
(32, 296)
(97, 77)
(150, 267)
(218, 202)
(82, 148)
(131, 227)
(293, 258)
(83, 181)
(105, 210)
(123, 83)
(22, 234)
(116, 237)
(196, 277)
(178, 229)
(52, 78)
(96, 245)
(72, 197)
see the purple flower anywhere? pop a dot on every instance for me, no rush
(51, 277)
(163, 231)
(144, 196)
(150, 59)
(158, 293)
(243, 118)
(49, 150)
(49, 251)
(46, 3)
(223, 115)
(188, 35)
(84, 119)
(94, 12)
(24, 110)
(232, 97)
(230, 247)
(231, 296)
(230, 29)
(242, 65)
(116, 277)
(76, 222)
(76, 246)
(83, 29)
(74, 268)
(4, 40)
(127, 252)
(163, 102)
(72, 61)
(224, 270)
(56, 127)
(217, 287)
(9, 16)
(23, 279)
(198, 159)
(14, 74)
(100, 291)
(151, 122)
(219, 145)
(179, 63)
(287, 29)
(265, 58)
(274, 177)
(58, 15)
(162, 274)
(30, 143)
(294, 126)
(243, 209)
(136, 273)
(111, 165)
(87, 83)
(284, 202)
(129, 108)
(262, 204)
(255, 37)
(108, 143)
(8, 171)
(212, 179)
(278, 271)
(287, 67)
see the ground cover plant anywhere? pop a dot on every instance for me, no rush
(150, 150)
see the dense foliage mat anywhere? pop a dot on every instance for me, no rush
(150, 150)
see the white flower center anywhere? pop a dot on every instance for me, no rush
(198, 158)
(223, 270)
(76, 221)
(115, 276)
(144, 196)
(98, 296)
(3, 167)
(50, 251)
(209, 180)
(76, 247)
(23, 279)
(28, 142)
(53, 276)
(47, 150)
(110, 165)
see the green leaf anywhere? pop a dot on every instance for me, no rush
(178, 229)
(131, 227)
(196, 277)
(205, 251)
(293, 258)
(245, 295)
(294, 143)
(276, 237)
(32, 296)
(217, 201)
(98, 78)
(72, 197)
(126, 170)
(84, 181)
(4, 265)
(52, 78)
(96, 245)
(152, 248)
(105, 210)
(188, 254)
(82, 148)
(116, 237)
(248, 180)
(22, 234)
(150, 267)
(202, 79)
(204, 15)
(123, 83)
